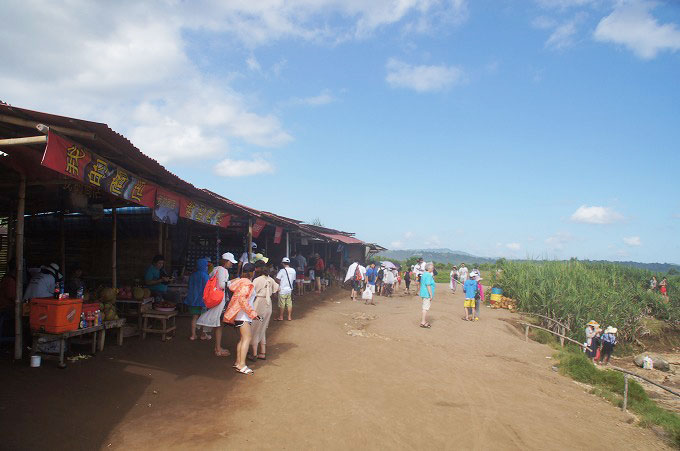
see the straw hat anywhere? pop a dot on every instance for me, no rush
(593, 323)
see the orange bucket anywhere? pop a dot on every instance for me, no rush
(55, 316)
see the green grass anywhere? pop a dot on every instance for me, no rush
(609, 384)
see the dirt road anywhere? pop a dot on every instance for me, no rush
(342, 374)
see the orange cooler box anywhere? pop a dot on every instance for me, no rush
(55, 316)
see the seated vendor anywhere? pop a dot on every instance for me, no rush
(75, 286)
(156, 280)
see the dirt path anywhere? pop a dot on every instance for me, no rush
(341, 375)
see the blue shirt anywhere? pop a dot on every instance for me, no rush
(470, 288)
(154, 273)
(427, 279)
(371, 274)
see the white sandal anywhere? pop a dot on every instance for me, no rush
(245, 370)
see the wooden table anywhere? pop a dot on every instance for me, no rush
(43, 337)
(139, 307)
(164, 318)
(115, 324)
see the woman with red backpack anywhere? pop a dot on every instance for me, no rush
(218, 281)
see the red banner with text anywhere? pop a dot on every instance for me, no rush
(258, 227)
(277, 235)
(205, 214)
(75, 161)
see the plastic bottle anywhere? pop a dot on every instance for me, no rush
(83, 322)
(79, 294)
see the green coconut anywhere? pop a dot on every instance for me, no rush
(108, 295)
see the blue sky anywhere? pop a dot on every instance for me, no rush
(544, 128)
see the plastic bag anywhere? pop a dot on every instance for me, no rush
(367, 294)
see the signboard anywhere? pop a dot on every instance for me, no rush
(166, 208)
(258, 227)
(77, 162)
(277, 235)
(205, 214)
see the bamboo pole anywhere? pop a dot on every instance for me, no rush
(287, 245)
(160, 237)
(669, 390)
(250, 238)
(62, 245)
(19, 253)
(23, 141)
(114, 241)
(64, 130)
(527, 325)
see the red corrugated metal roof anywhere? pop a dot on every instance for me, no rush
(343, 238)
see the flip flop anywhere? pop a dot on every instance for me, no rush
(245, 370)
(277, 319)
(192, 338)
(425, 326)
(223, 353)
(264, 357)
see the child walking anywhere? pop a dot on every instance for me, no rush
(470, 289)
(608, 344)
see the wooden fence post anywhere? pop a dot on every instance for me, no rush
(625, 392)
(526, 333)
(563, 332)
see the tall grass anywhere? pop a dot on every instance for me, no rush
(575, 292)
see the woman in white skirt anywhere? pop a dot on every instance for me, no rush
(213, 317)
(454, 279)
(264, 287)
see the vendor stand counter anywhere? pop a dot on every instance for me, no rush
(96, 332)
(138, 307)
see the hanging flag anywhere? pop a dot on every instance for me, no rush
(258, 227)
(166, 209)
(277, 235)
(205, 214)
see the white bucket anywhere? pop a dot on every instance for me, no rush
(35, 361)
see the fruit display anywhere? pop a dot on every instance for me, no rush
(147, 293)
(138, 293)
(164, 306)
(506, 303)
(107, 295)
(110, 312)
(125, 292)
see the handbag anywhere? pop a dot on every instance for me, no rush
(212, 293)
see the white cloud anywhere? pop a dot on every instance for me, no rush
(563, 4)
(243, 168)
(422, 78)
(596, 215)
(632, 25)
(559, 240)
(562, 37)
(433, 241)
(396, 245)
(408, 235)
(324, 98)
(128, 63)
(513, 246)
(632, 241)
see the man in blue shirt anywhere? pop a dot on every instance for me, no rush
(470, 288)
(371, 275)
(155, 279)
(426, 292)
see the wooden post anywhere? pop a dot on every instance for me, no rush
(250, 238)
(625, 392)
(160, 237)
(62, 244)
(563, 332)
(114, 240)
(287, 245)
(19, 254)
(526, 333)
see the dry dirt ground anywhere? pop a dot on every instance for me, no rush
(341, 375)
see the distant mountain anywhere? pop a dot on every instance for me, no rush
(654, 267)
(435, 255)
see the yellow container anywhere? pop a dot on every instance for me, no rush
(496, 297)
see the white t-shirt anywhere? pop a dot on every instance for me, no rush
(285, 286)
(244, 258)
(463, 273)
(420, 268)
(41, 286)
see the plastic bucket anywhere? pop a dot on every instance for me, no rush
(496, 290)
(35, 361)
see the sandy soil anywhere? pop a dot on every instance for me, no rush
(342, 374)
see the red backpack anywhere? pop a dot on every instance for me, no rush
(212, 293)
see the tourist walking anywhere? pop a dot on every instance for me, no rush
(319, 268)
(453, 279)
(463, 273)
(194, 298)
(240, 314)
(470, 289)
(407, 281)
(663, 288)
(355, 275)
(388, 282)
(285, 277)
(427, 286)
(479, 296)
(265, 286)
(371, 277)
(213, 317)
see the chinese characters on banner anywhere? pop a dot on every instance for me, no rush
(277, 235)
(258, 227)
(202, 213)
(167, 207)
(77, 162)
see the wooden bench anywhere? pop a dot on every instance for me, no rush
(166, 320)
(43, 337)
(108, 325)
